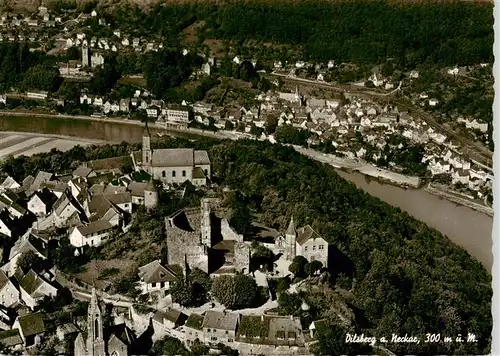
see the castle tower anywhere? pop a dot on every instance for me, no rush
(146, 151)
(150, 195)
(85, 54)
(290, 241)
(95, 337)
(206, 231)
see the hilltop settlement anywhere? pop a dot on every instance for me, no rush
(95, 206)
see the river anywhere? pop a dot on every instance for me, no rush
(464, 226)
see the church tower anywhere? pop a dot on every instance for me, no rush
(146, 151)
(95, 337)
(85, 54)
(290, 241)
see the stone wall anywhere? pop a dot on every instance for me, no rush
(228, 233)
(184, 242)
(242, 257)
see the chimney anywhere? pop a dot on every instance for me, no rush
(311, 333)
(262, 318)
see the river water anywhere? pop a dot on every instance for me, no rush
(464, 226)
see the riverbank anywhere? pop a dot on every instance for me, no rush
(110, 131)
(458, 200)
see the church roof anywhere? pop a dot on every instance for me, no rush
(173, 157)
(121, 332)
(201, 158)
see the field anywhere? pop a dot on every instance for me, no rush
(18, 144)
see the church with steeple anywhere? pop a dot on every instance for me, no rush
(172, 165)
(98, 340)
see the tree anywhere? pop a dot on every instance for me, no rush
(271, 124)
(289, 304)
(235, 292)
(191, 291)
(297, 267)
(30, 260)
(313, 267)
(228, 125)
(169, 346)
(41, 77)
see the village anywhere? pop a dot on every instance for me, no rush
(93, 206)
(346, 125)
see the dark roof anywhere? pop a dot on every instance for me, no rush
(100, 205)
(254, 326)
(31, 324)
(122, 332)
(10, 337)
(120, 198)
(95, 226)
(3, 279)
(82, 171)
(47, 197)
(30, 282)
(198, 173)
(24, 245)
(154, 272)
(56, 186)
(137, 188)
(220, 320)
(195, 321)
(306, 233)
(173, 315)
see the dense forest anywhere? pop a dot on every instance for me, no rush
(403, 275)
(356, 31)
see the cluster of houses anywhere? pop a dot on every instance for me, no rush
(34, 28)
(95, 200)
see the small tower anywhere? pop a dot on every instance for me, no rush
(150, 195)
(290, 241)
(85, 54)
(146, 151)
(95, 337)
(206, 229)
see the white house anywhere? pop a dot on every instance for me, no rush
(9, 294)
(34, 288)
(154, 277)
(92, 234)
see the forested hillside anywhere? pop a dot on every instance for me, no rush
(405, 276)
(354, 31)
